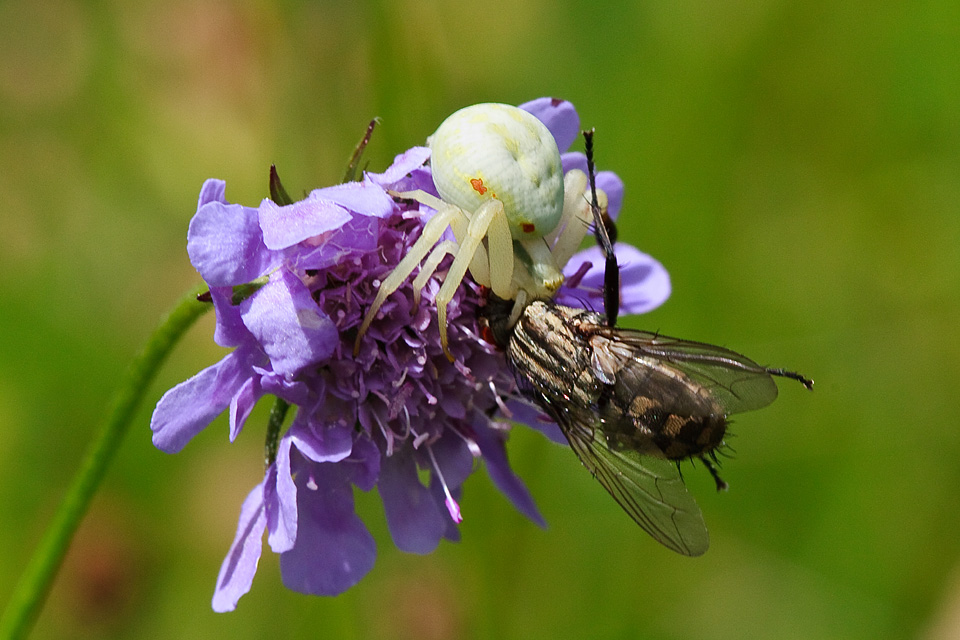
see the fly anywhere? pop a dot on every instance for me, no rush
(632, 404)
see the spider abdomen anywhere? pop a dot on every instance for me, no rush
(498, 151)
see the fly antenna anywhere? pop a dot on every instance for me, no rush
(604, 228)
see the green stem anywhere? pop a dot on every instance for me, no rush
(31, 592)
(277, 414)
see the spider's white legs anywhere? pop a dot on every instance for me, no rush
(476, 231)
(479, 266)
(422, 197)
(518, 306)
(500, 244)
(429, 266)
(432, 231)
(577, 217)
(574, 186)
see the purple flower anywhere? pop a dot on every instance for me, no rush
(377, 419)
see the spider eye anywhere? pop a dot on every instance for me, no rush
(499, 151)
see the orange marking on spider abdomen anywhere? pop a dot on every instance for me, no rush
(528, 227)
(477, 184)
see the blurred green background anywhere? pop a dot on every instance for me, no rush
(796, 167)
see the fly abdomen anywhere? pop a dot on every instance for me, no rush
(681, 437)
(646, 425)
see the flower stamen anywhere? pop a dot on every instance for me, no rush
(452, 507)
(499, 400)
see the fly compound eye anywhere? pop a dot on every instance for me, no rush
(497, 151)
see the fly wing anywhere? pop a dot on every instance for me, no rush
(732, 381)
(649, 489)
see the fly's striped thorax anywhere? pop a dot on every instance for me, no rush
(551, 357)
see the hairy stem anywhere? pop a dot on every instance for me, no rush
(31, 591)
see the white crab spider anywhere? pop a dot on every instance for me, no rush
(498, 172)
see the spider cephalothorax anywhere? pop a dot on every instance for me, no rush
(516, 217)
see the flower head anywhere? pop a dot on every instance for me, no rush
(374, 419)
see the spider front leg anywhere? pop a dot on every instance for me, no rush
(432, 230)
(489, 222)
(429, 267)
(572, 228)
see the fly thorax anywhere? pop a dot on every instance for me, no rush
(551, 356)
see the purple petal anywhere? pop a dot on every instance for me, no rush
(420, 178)
(186, 409)
(280, 496)
(573, 160)
(334, 550)
(286, 226)
(416, 524)
(612, 185)
(405, 163)
(242, 404)
(296, 392)
(364, 469)
(288, 324)
(560, 117)
(455, 463)
(240, 565)
(492, 445)
(454, 459)
(229, 331)
(336, 411)
(364, 198)
(644, 283)
(532, 416)
(213, 190)
(320, 442)
(359, 235)
(225, 244)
